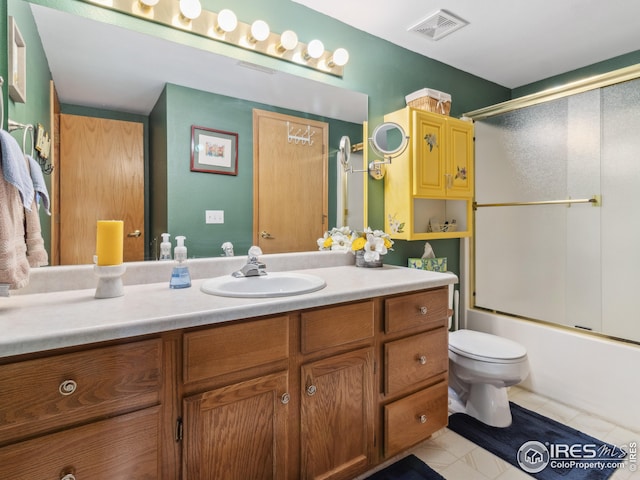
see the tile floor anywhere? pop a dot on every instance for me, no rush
(456, 458)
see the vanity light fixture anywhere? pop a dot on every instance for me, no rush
(190, 9)
(189, 16)
(226, 21)
(288, 41)
(259, 31)
(315, 49)
(340, 57)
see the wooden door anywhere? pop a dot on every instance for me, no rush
(290, 182)
(101, 178)
(237, 432)
(337, 424)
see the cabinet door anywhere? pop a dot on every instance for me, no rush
(337, 428)
(459, 158)
(237, 432)
(428, 139)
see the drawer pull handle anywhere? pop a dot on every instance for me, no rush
(422, 359)
(68, 476)
(423, 310)
(285, 398)
(311, 390)
(422, 419)
(67, 387)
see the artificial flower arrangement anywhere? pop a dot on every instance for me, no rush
(373, 243)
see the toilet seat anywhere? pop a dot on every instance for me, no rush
(485, 347)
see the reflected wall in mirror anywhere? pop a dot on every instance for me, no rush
(352, 183)
(105, 70)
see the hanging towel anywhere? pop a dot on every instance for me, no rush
(14, 168)
(14, 266)
(36, 253)
(39, 184)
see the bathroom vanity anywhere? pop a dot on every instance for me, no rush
(167, 383)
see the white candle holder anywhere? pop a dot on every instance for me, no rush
(109, 280)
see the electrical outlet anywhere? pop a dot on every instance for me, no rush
(214, 216)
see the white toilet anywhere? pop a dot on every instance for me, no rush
(481, 367)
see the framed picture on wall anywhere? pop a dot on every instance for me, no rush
(17, 64)
(214, 151)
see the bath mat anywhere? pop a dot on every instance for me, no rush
(542, 447)
(409, 468)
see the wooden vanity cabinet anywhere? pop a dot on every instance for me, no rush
(94, 413)
(337, 425)
(414, 386)
(322, 393)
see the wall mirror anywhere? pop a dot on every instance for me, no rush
(96, 64)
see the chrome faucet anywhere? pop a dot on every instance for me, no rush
(253, 267)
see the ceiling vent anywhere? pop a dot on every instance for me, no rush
(439, 25)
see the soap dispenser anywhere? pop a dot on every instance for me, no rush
(180, 277)
(165, 247)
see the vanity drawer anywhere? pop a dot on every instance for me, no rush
(415, 359)
(231, 348)
(423, 309)
(336, 326)
(415, 418)
(121, 447)
(46, 393)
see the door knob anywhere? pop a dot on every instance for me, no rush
(135, 233)
(266, 235)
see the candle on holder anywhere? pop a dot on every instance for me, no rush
(109, 242)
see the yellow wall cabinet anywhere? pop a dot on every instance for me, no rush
(428, 190)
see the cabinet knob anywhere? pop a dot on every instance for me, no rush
(423, 310)
(422, 418)
(67, 387)
(422, 359)
(68, 474)
(311, 390)
(285, 398)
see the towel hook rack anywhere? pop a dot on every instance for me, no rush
(27, 128)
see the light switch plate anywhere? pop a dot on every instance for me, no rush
(214, 216)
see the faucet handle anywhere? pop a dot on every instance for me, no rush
(254, 251)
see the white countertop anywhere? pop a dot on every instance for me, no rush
(44, 321)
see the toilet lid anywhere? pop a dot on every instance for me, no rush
(484, 346)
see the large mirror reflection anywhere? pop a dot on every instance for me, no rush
(148, 92)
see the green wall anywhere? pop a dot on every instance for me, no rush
(189, 194)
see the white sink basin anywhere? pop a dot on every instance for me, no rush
(276, 284)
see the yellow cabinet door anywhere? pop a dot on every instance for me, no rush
(429, 139)
(459, 158)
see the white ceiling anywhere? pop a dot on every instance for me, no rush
(509, 42)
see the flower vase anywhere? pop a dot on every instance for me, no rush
(361, 262)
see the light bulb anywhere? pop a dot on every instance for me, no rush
(340, 58)
(259, 31)
(315, 49)
(227, 21)
(190, 9)
(148, 3)
(288, 40)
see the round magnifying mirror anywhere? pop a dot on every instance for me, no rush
(344, 151)
(388, 139)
